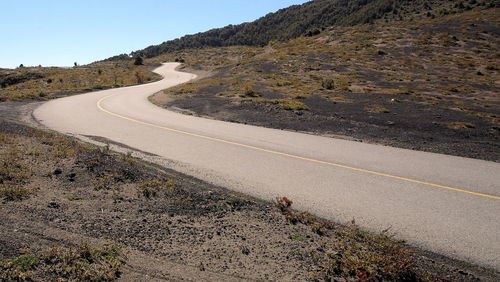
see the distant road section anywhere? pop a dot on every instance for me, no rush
(446, 204)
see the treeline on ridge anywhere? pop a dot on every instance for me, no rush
(309, 18)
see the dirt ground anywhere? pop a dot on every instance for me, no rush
(174, 227)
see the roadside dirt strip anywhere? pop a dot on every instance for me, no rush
(443, 203)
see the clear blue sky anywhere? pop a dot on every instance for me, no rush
(60, 32)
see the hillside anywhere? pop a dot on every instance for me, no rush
(310, 18)
(42, 83)
(426, 84)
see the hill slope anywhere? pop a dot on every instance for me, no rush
(425, 84)
(310, 18)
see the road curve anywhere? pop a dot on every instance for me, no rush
(447, 204)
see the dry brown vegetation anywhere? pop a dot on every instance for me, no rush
(41, 83)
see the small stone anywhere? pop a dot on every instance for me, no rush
(58, 171)
(463, 272)
(54, 205)
(245, 251)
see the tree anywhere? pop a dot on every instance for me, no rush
(21, 66)
(138, 61)
(76, 64)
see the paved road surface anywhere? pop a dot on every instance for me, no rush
(447, 204)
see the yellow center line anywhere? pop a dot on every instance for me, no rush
(290, 155)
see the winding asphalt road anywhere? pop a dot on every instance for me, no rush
(447, 204)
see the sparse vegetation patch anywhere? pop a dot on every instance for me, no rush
(427, 74)
(42, 83)
(81, 263)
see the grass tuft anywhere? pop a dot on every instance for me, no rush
(13, 192)
(458, 125)
(377, 109)
(150, 188)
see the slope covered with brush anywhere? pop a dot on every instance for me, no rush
(310, 18)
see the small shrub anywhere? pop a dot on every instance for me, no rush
(328, 84)
(82, 263)
(25, 262)
(249, 90)
(318, 226)
(342, 83)
(139, 76)
(313, 32)
(291, 105)
(19, 268)
(283, 203)
(364, 256)
(138, 61)
(54, 204)
(117, 197)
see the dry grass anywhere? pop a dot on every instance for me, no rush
(286, 104)
(151, 188)
(377, 109)
(458, 125)
(40, 83)
(14, 192)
